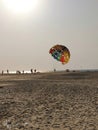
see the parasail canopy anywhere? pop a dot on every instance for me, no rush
(60, 53)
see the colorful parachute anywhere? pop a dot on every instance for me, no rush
(60, 53)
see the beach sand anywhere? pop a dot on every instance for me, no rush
(49, 101)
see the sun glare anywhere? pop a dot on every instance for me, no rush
(20, 6)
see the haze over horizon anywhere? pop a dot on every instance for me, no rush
(25, 39)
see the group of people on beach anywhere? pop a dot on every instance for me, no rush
(32, 71)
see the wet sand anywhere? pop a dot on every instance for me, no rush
(49, 101)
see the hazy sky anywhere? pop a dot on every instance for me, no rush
(25, 39)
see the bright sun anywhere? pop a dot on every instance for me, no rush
(21, 6)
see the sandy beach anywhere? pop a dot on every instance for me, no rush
(49, 101)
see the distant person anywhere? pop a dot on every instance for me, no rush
(34, 70)
(2, 72)
(54, 70)
(7, 71)
(67, 70)
(23, 71)
(18, 72)
(31, 71)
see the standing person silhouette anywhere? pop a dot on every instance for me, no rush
(34, 70)
(2, 72)
(31, 71)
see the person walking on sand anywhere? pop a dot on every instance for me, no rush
(31, 71)
(34, 70)
(7, 71)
